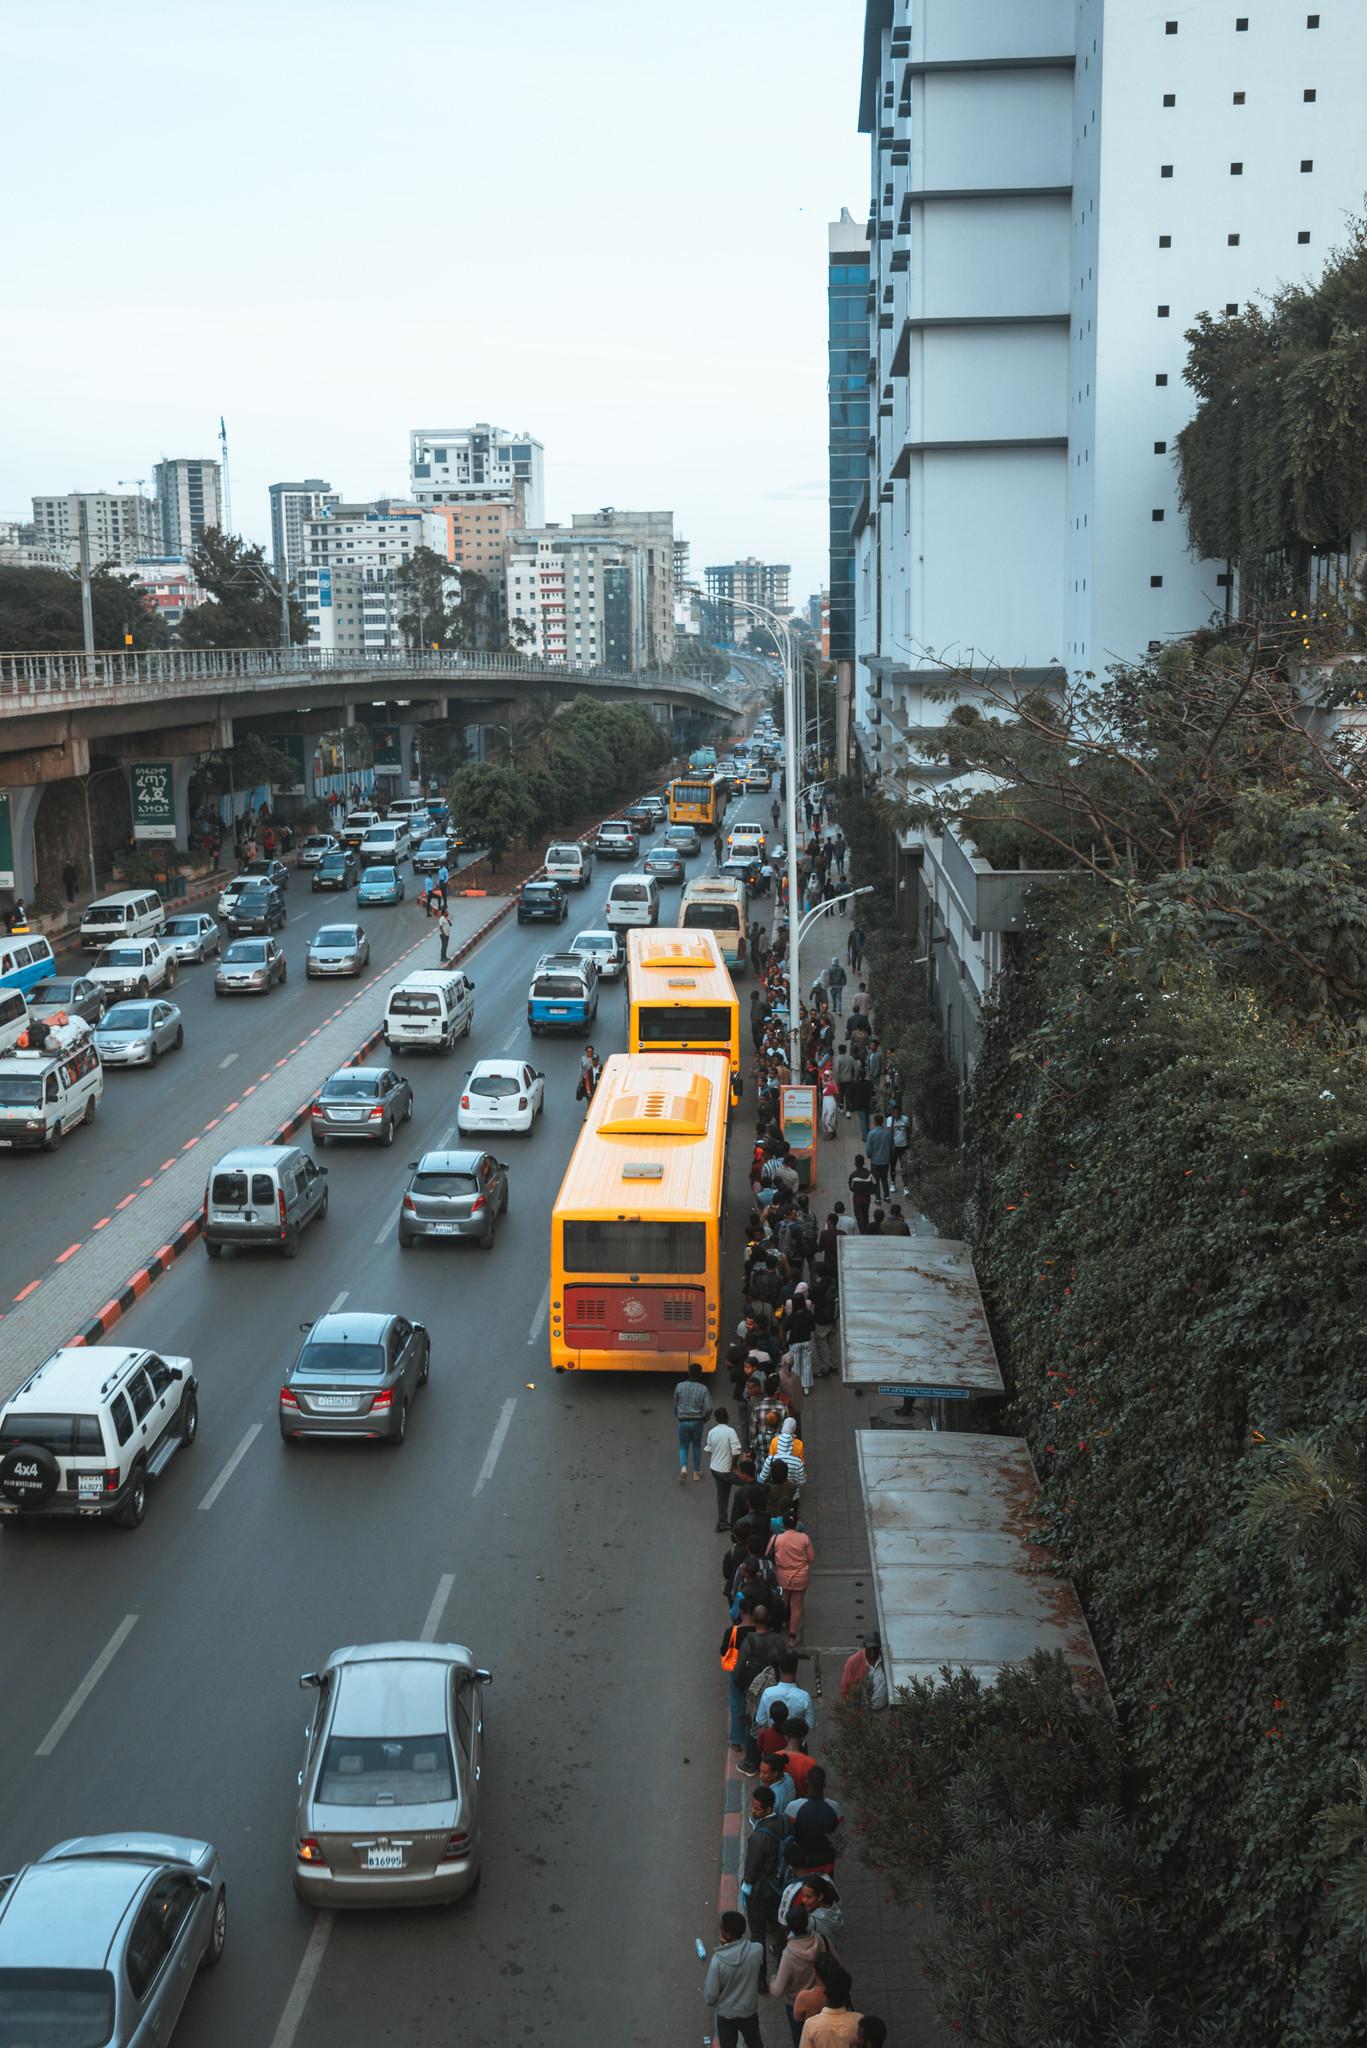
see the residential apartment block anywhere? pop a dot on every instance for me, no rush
(189, 498)
(120, 527)
(653, 534)
(752, 581)
(350, 578)
(291, 505)
(582, 597)
(448, 464)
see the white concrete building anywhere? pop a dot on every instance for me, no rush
(291, 505)
(350, 586)
(583, 598)
(121, 525)
(653, 534)
(1059, 188)
(189, 497)
(170, 584)
(450, 464)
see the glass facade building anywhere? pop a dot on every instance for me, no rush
(847, 353)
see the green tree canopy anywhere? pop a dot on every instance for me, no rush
(244, 607)
(40, 611)
(430, 614)
(492, 806)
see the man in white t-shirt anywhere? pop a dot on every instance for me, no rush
(723, 1447)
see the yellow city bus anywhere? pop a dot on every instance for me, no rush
(637, 1226)
(680, 997)
(698, 800)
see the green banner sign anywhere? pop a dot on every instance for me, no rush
(6, 845)
(154, 800)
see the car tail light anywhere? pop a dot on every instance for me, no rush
(280, 1199)
(410, 1205)
(522, 1102)
(384, 1399)
(476, 1205)
(465, 1102)
(308, 1851)
(316, 1109)
(457, 1843)
(287, 1399)
(111, 1479)
(377, 1112)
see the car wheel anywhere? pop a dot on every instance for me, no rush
(53, 1138)
(189, 1418)
(468, 1022)
(171, 972)
(400, 1429)
(135, 1507)
(153, 1053)
(405, 1241)
(408, 1110)
(143, 991)
(503, 1205)
(179, 1039)
(88, 1114)
(289, 1243)
(218, 1932)
(388, 1136)
(284, 972)
(426, 1369)
(323, 1205)
(487, 1241)
(215, 1251)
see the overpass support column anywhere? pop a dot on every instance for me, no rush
(21, 804)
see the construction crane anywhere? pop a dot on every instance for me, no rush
(227, 495)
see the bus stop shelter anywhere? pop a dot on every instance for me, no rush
(958, 1575)
(913, 1327)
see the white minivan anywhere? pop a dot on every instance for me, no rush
(44, 1095)
(430, 1009)
(633, 899)
(569, 863)
(132, 914)
(385, 845)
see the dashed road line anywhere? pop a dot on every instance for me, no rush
(87, 1686)
(228, 1470)
(501, 1428)
(306, 1976)
(438, 1608)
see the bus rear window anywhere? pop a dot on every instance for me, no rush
(692, 1024)
(711, 917)
(602, 1246)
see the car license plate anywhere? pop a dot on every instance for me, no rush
(348, 1116)
(332, 1400)
(384, 1859)
(88, 1483)
(558, 1010)
(443, 1229)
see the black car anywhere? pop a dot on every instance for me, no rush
(337, 870)
(258, 909)
(544, 902)
(642, 816)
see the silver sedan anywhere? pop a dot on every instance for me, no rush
(337, 949)
(361, 1102)
(137, 1034)
(389, 1795)
(191, 935)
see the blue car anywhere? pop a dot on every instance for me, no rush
(562, 998)
(380, 885)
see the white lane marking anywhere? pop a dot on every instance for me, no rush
(438, 1607)
(228, 1470)
(228, 1062)
(501, 1428)
(447, 1136)
(511, 1040)
(385, 1228)
(87, 1686)
(305, 1978)
(539, 1319)
(345, 1296)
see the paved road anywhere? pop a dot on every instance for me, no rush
(544, 1510)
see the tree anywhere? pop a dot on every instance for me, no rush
(254, 762)
(430, 618)
(244, 597)
(477, 618)
(40, 611)
(492, 806)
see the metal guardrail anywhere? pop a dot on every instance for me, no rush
(42, 680)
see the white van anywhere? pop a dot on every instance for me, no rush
(385, 845)
(432, 1008)
(13, 1017)
(132, 914)
(407, 810)
(569, 864)
(633, 899)
(43, 1095)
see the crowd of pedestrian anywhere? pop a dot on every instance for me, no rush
(784, 1943)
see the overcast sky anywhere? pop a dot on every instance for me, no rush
(602, 222)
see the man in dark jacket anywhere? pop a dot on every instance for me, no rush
(761, 1886)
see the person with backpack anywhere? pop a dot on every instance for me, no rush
(800, 1328)
(796, 1966)
(812, 1828)
(732, 1644)
(755, 1671)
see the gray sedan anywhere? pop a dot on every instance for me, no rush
(137, 1034)
(356, 1375)
(250, 967)
(74, 993)
(454, 1194)
(337, 949)
(389, 1795)
(100, 1939)
(194, 935)
(361, 1102)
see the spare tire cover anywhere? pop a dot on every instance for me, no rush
(29, 1475)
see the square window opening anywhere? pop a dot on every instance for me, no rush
(1155, 583)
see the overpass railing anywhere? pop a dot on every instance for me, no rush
(38, 679)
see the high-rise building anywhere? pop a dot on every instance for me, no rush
(1060, 187)
(120, 527)
(352, 595)
(847, 406)
(681, 575)
(448, 464)
(653, 533)
(582, 597)
(189, 498)
(291, 505)
(752, 581)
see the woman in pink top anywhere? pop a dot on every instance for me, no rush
(793, 1556)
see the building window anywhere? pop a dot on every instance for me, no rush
(1233, 241)
(1163, 312)
(1160, 447)
(1161, 378)
(1165, 241)
(1155, 583)
(1307, 163)
(1170, 99)
(1239, 98)
(1170, 27)
(1236, 170)
(1312, 21)
(1156, 514)
(1309, 93)
(1165, 170)
(1240, 23)
(1303, 235)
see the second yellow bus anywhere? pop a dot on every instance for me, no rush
(680, 996)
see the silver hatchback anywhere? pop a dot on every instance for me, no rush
(361, 1102)
(337, 949)
(355, 1375)
(137, 1034)
(389, 1796)
(454, 1194)
(101, 1937)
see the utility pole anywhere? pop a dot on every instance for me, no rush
(227, 496)
(285, 638)
(87, 612)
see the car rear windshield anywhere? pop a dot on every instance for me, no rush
(127, 1017)
(335, 935)
(550, 987)
(20, 1091)
(66, 1436)
(414, 1002)
(443, 1183)
(229, 1191)
(348, 1358)
(594, 942)
(631, 893)
(494, 1084)
(711, 917)
(379, 1770)
(181, 928)
(634, 1247)
(684, 1024)
(54, 992)
(56, 2008)
(351, 1088)
(246, 952)
(565, 853)
(121, 956)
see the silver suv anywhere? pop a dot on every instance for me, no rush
(88, 1429)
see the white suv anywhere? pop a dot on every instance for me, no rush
(86, 1432)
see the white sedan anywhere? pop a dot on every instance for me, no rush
(501, 1095)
